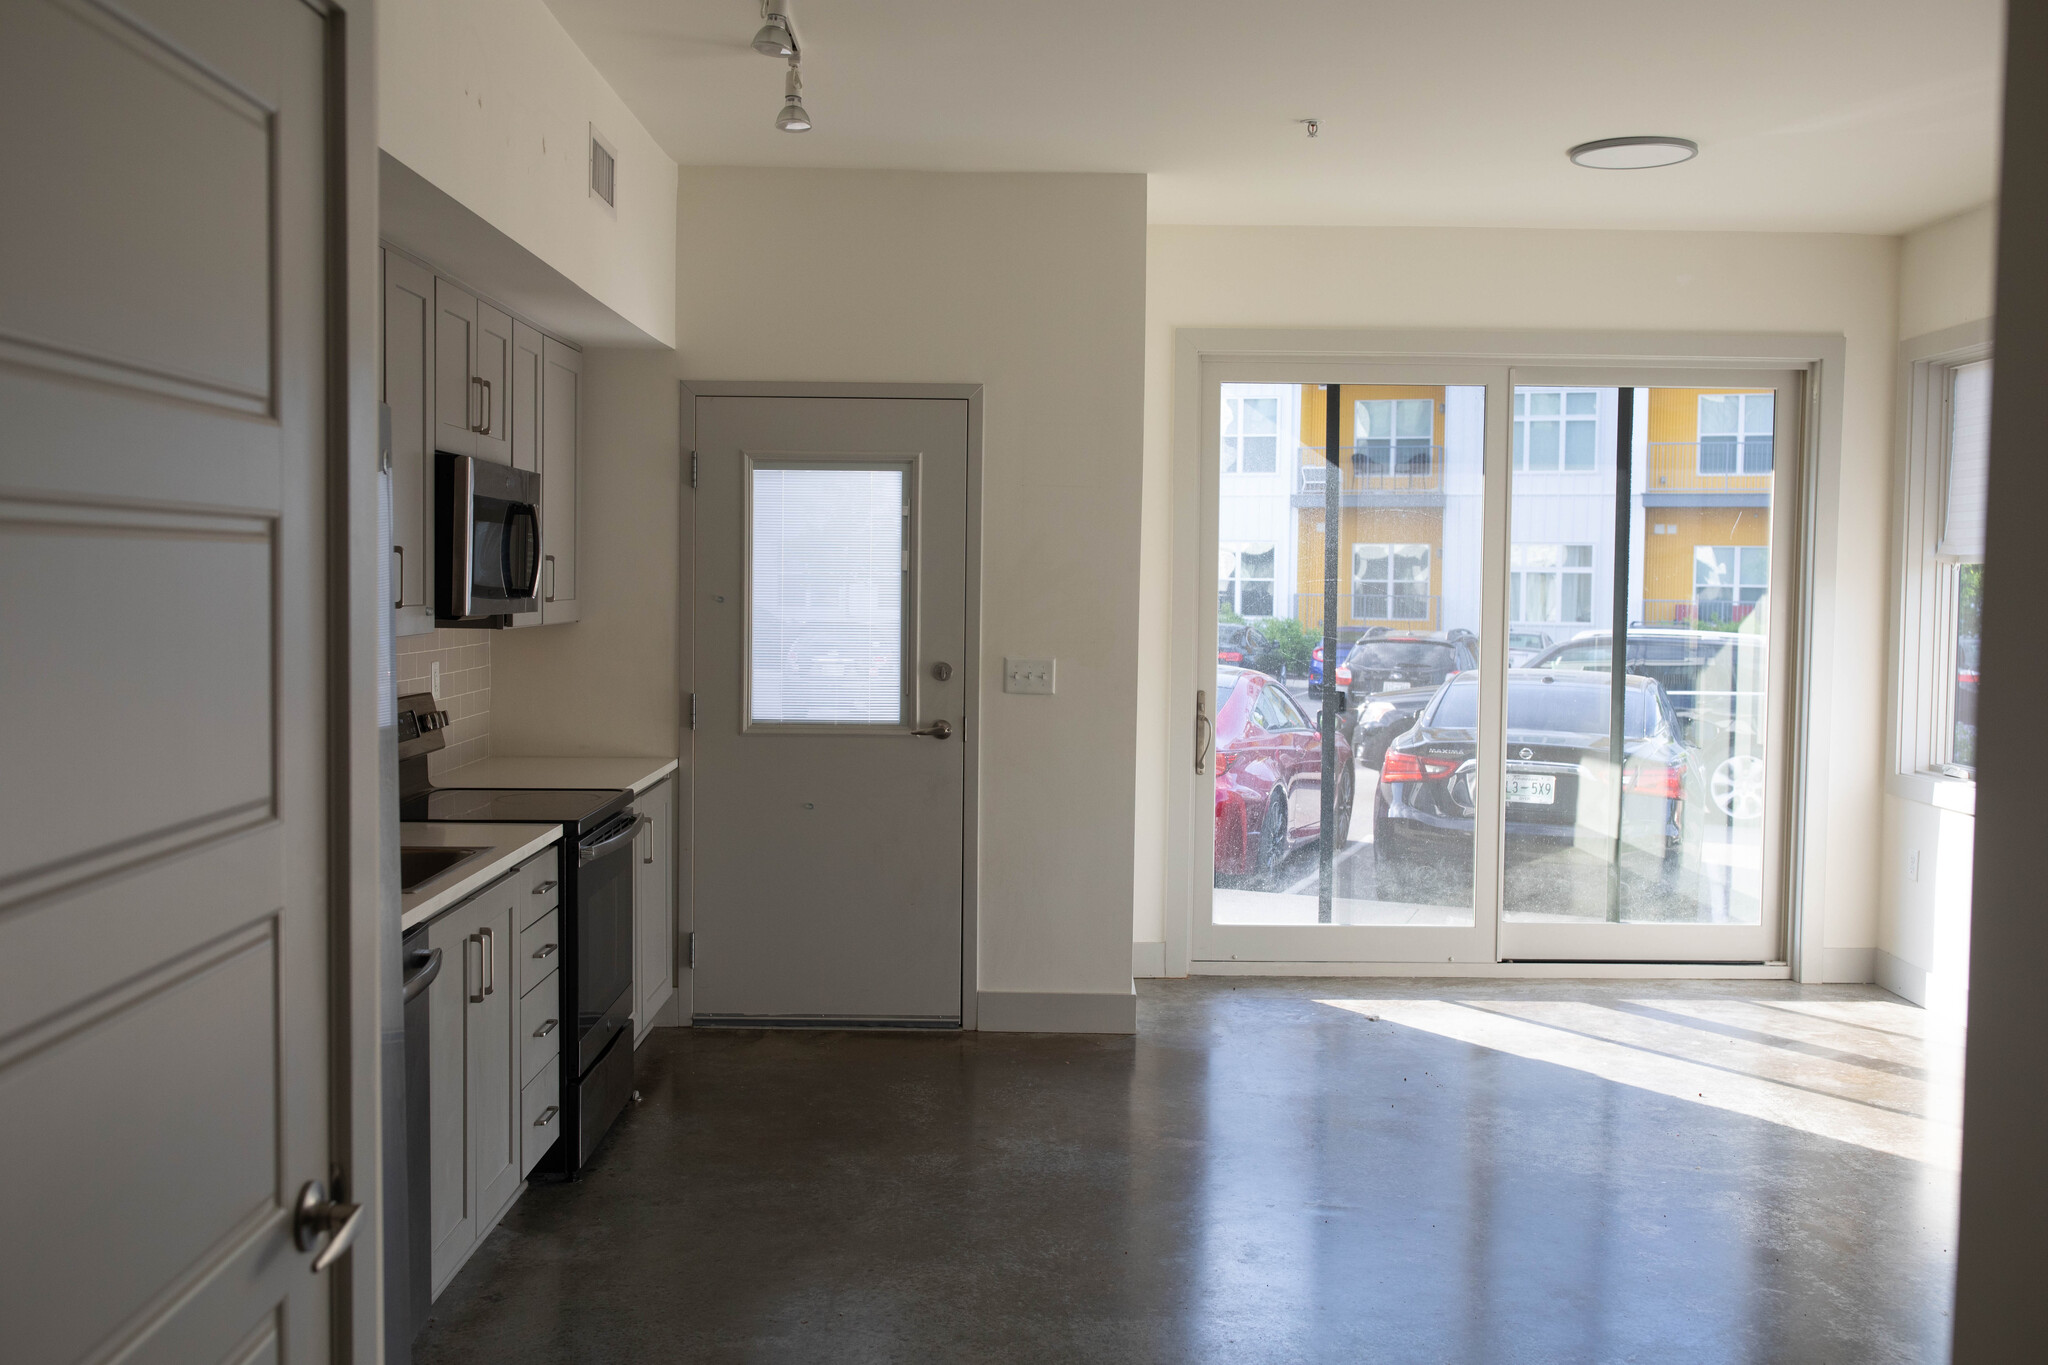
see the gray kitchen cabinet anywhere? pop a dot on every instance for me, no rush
(405, 379)
(478, 1081)
(560, 422)
(654, 906)
(472, 375)
(540, 1008)
(462, 375)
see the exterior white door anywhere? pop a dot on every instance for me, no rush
(165, 873)
(830, 781)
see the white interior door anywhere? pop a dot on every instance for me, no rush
(164, 825)
(830, 780)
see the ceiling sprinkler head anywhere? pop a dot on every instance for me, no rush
(1314, 126)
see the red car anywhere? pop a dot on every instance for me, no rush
(1269, 777)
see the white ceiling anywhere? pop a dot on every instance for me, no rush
(1838, 115)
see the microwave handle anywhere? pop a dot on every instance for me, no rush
(531, 587)
(462, 537)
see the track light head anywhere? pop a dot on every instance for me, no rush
(793, 118)
(775, 39)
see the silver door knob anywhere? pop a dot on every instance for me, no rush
(938, 729)
(318, 1216)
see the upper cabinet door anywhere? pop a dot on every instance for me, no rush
(561, 408)
(493, 369)
(408, 389)
(526, 423)
(458, 402)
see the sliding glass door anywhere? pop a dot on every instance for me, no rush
(1646, 665)
(1351, 586)
(1415, 743)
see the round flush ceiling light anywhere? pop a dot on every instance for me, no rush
(1634, 153)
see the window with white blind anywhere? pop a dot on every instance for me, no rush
(828, 568)
(1948, 439)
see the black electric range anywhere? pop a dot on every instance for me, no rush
(598, 828)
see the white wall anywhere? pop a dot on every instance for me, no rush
(1032, 285)
(1946, 271)
(492, 103)
(1923, 927)
(1487, 278)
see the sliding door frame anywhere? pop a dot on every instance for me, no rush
(1202, 356)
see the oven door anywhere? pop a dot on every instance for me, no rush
(487, 563)
(604, 935)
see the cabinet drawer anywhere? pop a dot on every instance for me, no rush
(541, 886)
(540, 1026)
(540, 1115)
(540, 950)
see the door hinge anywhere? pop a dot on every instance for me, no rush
(690, 949)
(693, 710)
(693, 469)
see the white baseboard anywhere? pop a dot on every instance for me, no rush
(1848, 966)
(1901, 977)
(1148, 959)
(1057, 1012)
(1506, 971)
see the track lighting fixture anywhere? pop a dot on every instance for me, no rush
(793, 119)
(774, 38)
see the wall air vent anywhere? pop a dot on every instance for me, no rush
(604, 172)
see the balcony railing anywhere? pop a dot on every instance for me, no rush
(1377, 467)
(1696, 615)
(1730, 465)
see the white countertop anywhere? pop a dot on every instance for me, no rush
(569, 773)
(506, 845)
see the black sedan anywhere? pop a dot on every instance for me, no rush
(1380, 721)
(1559, 808)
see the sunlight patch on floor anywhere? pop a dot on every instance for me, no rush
(1839, 1074)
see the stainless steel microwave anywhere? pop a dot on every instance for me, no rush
(487, 554)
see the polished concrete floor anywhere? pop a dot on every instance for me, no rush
(1272, 1170)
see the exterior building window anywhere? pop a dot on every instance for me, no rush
(1390, 583)
(1393, 435)
(1735, 433)
(1555, 430)
(1251, 435)
(1244, 581)
(1550, 584)
(1728, 581)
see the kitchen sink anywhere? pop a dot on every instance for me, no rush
(418, 866)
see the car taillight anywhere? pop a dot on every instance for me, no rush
(1223, 762)
(1229, 656)
(1344, 675)
(1653, 780)
(1400, 766)
(1318, 655)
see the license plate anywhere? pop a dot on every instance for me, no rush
(1392, 685)
(1529, 789)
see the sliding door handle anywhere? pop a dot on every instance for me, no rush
(1205, 732)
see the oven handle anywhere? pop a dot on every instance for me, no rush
(590, 853)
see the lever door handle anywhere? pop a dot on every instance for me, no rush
(938, 729)
(318, 1216)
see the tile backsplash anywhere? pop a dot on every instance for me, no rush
(465, 659)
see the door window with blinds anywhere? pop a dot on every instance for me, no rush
(828, 592)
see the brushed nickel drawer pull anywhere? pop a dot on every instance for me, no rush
(547, 1116)
(490, 942)
(544, 887)
(545, 1029)
(545, 950)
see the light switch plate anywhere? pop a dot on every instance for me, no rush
(1030, 676)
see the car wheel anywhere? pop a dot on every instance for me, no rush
(1271, 853)
(1737, 786)
(1347, 795)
